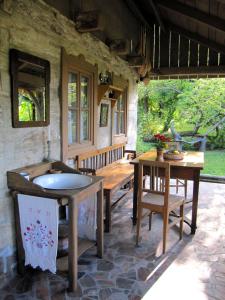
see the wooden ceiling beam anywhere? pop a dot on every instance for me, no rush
(157, 14)
(136, 11)
(188, 71)
(89, 21)
(196, 38)
(195, 14)
(221, 1)
(135, 61)
(119, 46)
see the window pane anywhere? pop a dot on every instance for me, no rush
(84, 136)
(122, 104)
(84, 81)
(122, 127)
(116, 122)
(118, 104)
(72, 126)
(72, 90)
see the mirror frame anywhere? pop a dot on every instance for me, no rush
(15, 56)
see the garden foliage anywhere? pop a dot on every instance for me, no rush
(196, 106)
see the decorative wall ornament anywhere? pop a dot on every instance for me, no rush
(105, 77)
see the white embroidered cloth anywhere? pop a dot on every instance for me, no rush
(39, 229)
(87, 218)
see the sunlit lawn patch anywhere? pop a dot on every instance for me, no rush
(214, 163)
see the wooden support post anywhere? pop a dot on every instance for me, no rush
(100, 225)
(73, 245)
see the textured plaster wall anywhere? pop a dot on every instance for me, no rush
(36, 28)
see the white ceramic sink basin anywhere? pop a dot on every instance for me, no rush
(64, 181)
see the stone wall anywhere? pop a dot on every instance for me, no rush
(38, 29)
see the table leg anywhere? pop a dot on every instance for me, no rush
(195, 201)
(108, 210)
(19, 241)
(135, 193)
(73, 245)
(100, 225)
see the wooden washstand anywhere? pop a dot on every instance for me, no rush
(19, 185)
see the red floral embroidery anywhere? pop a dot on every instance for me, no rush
(39, 234)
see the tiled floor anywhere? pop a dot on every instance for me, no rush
(191, 269)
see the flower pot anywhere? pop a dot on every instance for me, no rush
(159, 156)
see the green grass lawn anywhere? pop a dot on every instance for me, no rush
(142, 146)
(214, 163)
(214, 160)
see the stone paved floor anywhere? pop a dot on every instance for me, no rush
(191, 269)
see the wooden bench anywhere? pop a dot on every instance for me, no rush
(111, 163)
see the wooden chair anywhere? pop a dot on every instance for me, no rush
(183, 184)
(156, 198)
(179, 183)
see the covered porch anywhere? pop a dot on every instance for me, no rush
(68, 97)
(193, 268)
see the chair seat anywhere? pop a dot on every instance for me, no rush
(158, 200)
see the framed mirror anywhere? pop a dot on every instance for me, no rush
(30, 78)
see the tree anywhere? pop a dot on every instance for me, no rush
(157, 104)
(196, 106)
(202, 104)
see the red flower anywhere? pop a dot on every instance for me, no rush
(160, 140)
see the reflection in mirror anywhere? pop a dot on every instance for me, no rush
(30, 90)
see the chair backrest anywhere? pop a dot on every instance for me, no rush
(159, 178)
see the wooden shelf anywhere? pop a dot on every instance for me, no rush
(83, 245)
(103, 88)
(112, 100)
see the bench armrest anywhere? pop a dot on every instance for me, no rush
(87, 171)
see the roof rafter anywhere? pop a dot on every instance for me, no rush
(197, 15)
(157, 14)
(197, 38)
(191, 71)
(136, 11)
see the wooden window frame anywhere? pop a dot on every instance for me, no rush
(123, 84)
(124, 96)
(78, 65)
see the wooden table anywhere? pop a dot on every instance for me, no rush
(115, 176)
(188, 168)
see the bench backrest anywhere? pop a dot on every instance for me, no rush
(100, 158)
